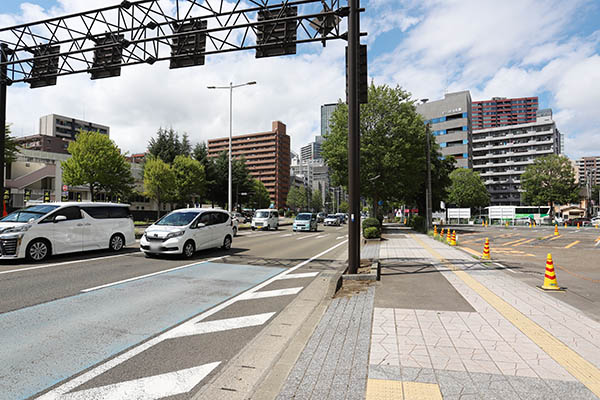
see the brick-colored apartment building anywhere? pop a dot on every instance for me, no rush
(267, 156)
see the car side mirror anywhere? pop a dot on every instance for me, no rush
(59, 218)
(199, 225)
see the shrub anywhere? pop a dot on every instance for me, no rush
(370, 222)
(372, 232)
(418, 223)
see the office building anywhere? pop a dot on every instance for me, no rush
(312, 151)
(588, 168)
(67, 127)
(500, 111)
(326, 112)
(43, 143)
(450, 123)
(267, 156)
(501, 154)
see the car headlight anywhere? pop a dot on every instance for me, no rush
(17, 229)
(175, 234)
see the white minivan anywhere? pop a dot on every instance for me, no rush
(265, 219)
(187, 230)
(41, 230)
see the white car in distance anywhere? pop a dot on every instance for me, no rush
(188, 230)
(331, 220)
(265, 219)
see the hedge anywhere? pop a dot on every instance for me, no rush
(372, 232)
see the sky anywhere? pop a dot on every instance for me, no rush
(512, 48)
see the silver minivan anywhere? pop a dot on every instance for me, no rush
(187, 230)
(265, 219)
(41, 230)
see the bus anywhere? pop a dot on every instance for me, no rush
(515, 214)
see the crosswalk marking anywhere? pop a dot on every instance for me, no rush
(149, 388)
(300, 275)
(218, 325)
(271, 293)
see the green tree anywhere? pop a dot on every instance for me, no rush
(185, 147)
(297, 198)
(259, 197)
(97, 162)
(549, 180)
(166, 145)
(200, 153)
(392, 162)
(316, 201)
(344, 207)
(189, 178)
(328, 201)
(159, 181)
(10, 147)
(240, 178)
(467, 189)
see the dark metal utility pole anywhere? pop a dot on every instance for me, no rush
(428, 196)
(353, 138)
(3, 84)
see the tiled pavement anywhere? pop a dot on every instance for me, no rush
(479, 355)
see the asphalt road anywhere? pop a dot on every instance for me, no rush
(523, 251)
(102, 325)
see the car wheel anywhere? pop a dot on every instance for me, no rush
(38, 250)
(277, 227)
(253, 228)
(234, 231)
(226, 243)
(188, 249)
(116, 242)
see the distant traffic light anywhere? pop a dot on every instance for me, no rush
(273, 37)
(188, 50)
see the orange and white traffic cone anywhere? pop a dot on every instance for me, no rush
(486, 250)
(453, 240)
(555, 230)
(550, 276)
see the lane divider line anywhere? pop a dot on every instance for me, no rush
(300, 275)
(69, 385)
(555, 237)
(309, 236)
(583, 370)
(66, 263)
(572, 244)
(135, 278)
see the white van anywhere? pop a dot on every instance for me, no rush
(39, 231)
(187, 230)
(265, 219)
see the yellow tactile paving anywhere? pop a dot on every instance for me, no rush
(572, 244)
(380, 389)
(579, 367)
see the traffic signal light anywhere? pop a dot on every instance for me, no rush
(108, 56)
(45, 64)
(188, 50)
(363, 77)
(273, 37)
(46, 196)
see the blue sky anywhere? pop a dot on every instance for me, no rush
(513, 48)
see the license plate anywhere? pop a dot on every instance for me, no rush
(154, 246)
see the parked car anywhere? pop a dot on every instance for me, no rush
(305, 222)
(38, 231)
(581, 221)
(595, 221)
(187, 230)
(332, 220)
(342, 217)
(321, 217)
(265, 219)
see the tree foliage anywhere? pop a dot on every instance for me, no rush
(159, 181)
(344, 207)
(296, 198)
(549, 180)
(259, 197)
(241, 180)
(97, 162)
(166, 145)
(316, 201)
(10, 147)
(189, 178)
(393, 159)
(467, 189)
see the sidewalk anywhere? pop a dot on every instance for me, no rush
(446, 326)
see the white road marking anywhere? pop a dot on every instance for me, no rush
(301, 275)
(135, 278)
(271, 293)
(219, 325)
(149, 388)
(503, 267)
(65, 263)
(339, 237)
(306, 237)
(263, 234)
(322, 236)
(100, 369)
(287, 234)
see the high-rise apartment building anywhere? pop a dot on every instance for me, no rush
(326, 112)
(312, 151)
(500, 111)
(588, 168)
(450, 123)
(67, 127)
(267, 156)
(501, 154)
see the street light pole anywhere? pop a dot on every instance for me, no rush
(229, 180)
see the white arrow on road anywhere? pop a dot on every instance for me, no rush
(149, 388)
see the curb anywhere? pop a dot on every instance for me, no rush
(261, 368)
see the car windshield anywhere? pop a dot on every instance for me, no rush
(332, 216)
(178, 219)
(262, 214)
(303, 217)
(28, 213)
